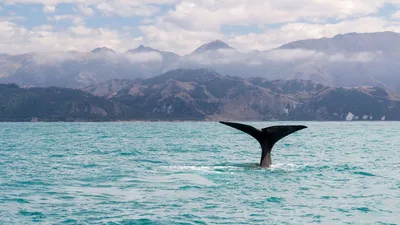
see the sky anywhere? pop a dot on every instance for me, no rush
(182, 26)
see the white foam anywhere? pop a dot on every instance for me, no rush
(286, 167)
(227, 169)
(199, 168)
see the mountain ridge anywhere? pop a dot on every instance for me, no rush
(352, 59)
(198, 95)
(212, 96)
(358, 42)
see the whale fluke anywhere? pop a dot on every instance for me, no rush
(267, 137)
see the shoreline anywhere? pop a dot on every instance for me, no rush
(198, 121)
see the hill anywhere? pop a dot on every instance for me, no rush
(202, 94)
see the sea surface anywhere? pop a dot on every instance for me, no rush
(198, 173)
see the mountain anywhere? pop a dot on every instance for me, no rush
(350, 42)
(351, 59)
(212, 46)
(57, 104)
(198, 94)
(109, 88)
(77, 69)
(143, 48)
(103, 50)
(202, 94)
(345, 60)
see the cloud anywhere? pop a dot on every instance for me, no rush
(166, 36)
(396, 15)
(127, 10)
(43, 28)
(77, 20)
(12, 18)
(189, 23)
(123, 8)
(49, 9)
(144, 57)
(285, 55)
(272, 38)
(90, 2)
(205, 14)
(169, 37)
(274, 57)
(85, 10)
(56, 57)
(42, 39)
(182, 26)
(361, 57)
(219, 57)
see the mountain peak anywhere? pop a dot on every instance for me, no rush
(102, 49)
(142, 48)
(212, 46)
(146, 49)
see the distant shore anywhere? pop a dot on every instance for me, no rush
(183, 121)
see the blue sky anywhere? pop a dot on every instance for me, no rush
(181, 26)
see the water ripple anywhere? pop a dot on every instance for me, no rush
(197, 173)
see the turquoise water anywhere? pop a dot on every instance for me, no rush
(197, 173)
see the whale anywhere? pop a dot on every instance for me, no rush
(267, 137)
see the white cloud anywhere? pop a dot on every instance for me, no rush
(78, 38)
(272, 38)
(85, 10)
(219, 57)
(362, 57)
(283, 55)
(56, 57)
(126, 10)
(77, 20)
(12, 18)
(144, 57)
(81, 30)
(90, 2)
(43, 28)
(49, 8)
(205, 14)
(396, 15)
(193, 22)
(169, 37)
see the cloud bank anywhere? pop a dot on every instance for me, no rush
(181, 26)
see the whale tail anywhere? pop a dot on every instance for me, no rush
(268, 135)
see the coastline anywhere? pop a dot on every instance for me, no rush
(186, 121)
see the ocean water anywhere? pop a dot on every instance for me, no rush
(198, 173)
